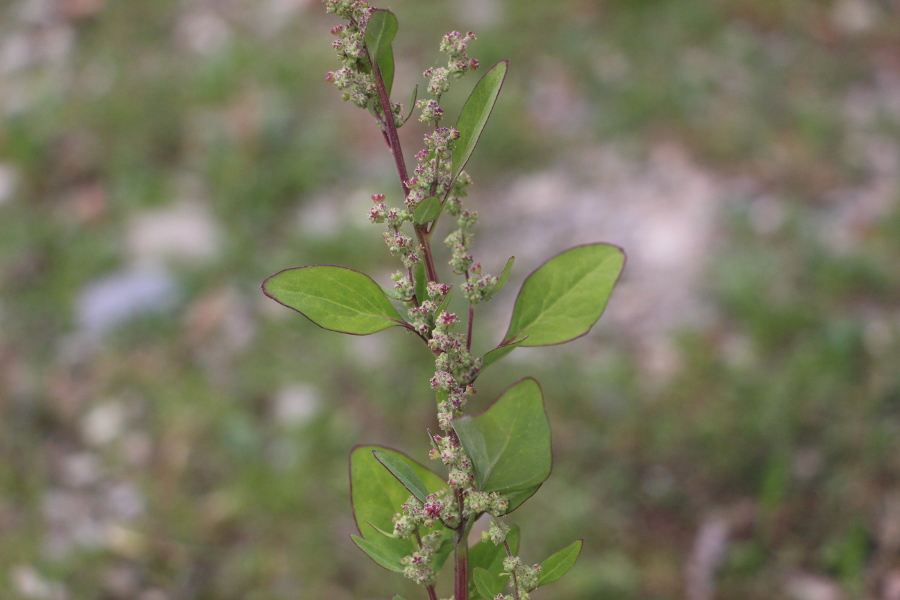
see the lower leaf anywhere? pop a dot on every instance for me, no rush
(380, 553)
(487, 584)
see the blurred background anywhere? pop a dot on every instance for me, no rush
(731, 428)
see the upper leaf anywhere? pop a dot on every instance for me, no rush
(380, 34)
(475, 114)
(566, 295)
(334, 298)
(509, 443)
(559, 563)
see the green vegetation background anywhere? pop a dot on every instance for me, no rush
(199, 450)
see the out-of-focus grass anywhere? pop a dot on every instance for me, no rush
(781, 417)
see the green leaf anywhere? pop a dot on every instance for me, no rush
(564, 297)
(559, 564)
(427, 210)
(412, 105)
(443, 552)
(509, 443)
(489, 556)
(499, 352)
(398, 598)
(517, 499)
(391, 293)
(501, 281)
(380, 34)
(404, 473)
(386, 66)
(377, 495)
(334, 298)
(475, 114)
(380, 530)
(388, 557)
(487, 584)
(421, 280)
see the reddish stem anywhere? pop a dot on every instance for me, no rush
(390, 130)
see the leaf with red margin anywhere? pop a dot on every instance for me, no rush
(377, 495)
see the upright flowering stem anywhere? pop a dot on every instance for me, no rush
(436, 184)
(390, 128)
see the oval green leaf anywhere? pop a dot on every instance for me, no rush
(475, 114)
(380, 34)
(427, 210)
(487, 584)
(559, 564)
(564, 297)
(334, 298)
(509, 443)
(404, 473)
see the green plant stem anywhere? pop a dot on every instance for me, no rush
(390, 128)
(461, 551)
(515, 580)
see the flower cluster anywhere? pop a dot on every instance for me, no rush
(526, 577)
(455, 45)
(496, 533)
(424, 316)
(351, 10)
(415, 514)
(358, 85)
(455, 369)
(447, 448)
(417, 566)
(433, 167)
(397, 242)
(477, 503)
